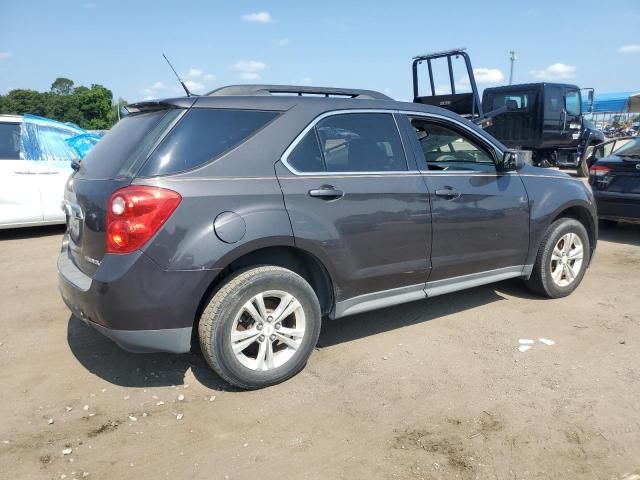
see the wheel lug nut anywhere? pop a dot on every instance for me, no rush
(261, 338)
(260, 326)
(272, 338)
(269, 319)
(277, 326)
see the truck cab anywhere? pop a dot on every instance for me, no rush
(545, 119)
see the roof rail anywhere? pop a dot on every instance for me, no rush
(443, 53)
(250, 90)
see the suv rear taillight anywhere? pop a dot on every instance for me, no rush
(599, 170)
(134, 215)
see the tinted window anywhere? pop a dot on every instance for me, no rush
(9, 141)
(361, 142)
(513, 101)
(307, 157)
(554, 103)
(126, 145)
(201, 136)
(444, 148)
(573, 102)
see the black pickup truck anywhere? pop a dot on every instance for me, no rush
(546, 119)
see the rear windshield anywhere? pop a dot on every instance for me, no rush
(9, 141)
(201, 136)
(125, 147)
(514, 101)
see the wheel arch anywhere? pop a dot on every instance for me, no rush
(582, 214)
(300, 261)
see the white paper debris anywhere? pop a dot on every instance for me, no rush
(67, 451)
(525, 341)
(546, 341)
(524, 348)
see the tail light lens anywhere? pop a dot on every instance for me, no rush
(598, 171)
(135, 214)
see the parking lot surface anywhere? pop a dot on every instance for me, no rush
(428, 390)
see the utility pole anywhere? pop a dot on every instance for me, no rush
(513, 58)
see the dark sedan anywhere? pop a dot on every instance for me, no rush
(615, 180)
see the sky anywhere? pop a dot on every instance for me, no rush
(119, 44)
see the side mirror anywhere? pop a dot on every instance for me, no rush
(513, 160)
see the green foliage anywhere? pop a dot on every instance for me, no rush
(90, 108)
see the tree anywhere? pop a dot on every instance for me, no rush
(62, 86)
(86, 107)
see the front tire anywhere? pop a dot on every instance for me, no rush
(562, 259)
(260, 327)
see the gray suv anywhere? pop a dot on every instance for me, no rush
(242, 218)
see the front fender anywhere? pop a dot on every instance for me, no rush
(552, 195)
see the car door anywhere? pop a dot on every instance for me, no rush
(572, 117)
(355, 203)
(479, 214)
(19, 185)
(53, 168)
(553, 117)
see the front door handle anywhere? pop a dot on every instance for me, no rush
(24, 172)
(326, 192)
(448, 193)
(49, 172)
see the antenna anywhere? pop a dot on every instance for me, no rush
(513, 58)
(189, 94)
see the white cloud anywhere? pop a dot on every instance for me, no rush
(194, 73)
(483, 76)
(488, 76)
(250, 76)
(557, 71)
(257, 17)
(209, 76)
(282, 42)
(157, 86)
(633, 48)
(194, 86)
(5, 55)
(249, 69)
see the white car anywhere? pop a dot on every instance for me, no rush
(31, 191)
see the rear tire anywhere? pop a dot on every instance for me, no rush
(562, 259)
(260, 327)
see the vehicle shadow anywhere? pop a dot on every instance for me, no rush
(104, 358)
(31, 232)
(628, 233)
(379, 321)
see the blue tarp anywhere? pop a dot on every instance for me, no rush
(608, 102)
(49, 140)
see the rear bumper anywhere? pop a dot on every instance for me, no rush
(131, 300)
(617, 206)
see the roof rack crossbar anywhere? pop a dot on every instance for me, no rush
(443, 53)
(297, 90)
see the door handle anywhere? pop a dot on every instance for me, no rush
(448, 193)
(24, 172)
(326, 192)
(49, 172)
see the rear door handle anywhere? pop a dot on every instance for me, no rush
(24, 172)
(448, 193)
(49, 172)
(326, 192)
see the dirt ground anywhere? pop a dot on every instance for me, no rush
(428, 390)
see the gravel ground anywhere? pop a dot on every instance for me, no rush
(432, 389)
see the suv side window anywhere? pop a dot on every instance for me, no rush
(9, 141)
(351, 142)
(444, 148)
(361, 142)
(307, 157)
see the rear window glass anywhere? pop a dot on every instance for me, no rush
(126, 145)
(9, 141)
(201, 136)
(306, 157)
(514, 101)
